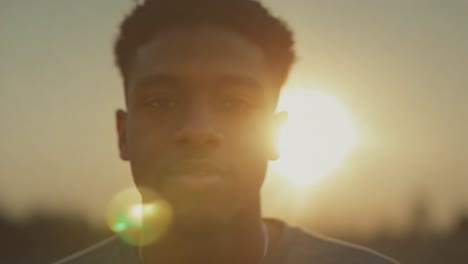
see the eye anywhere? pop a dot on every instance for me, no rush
(162, 103)
(236, 105)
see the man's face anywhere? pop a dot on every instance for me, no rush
(197, 130)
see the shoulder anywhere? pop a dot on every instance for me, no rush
(332, 251)
(111, 250)
(303, 248)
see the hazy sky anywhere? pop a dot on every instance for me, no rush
(401, 68)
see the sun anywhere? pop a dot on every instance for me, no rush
(317, 135)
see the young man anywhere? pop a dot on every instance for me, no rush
(201, 80)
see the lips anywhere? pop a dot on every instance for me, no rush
(199, 181)
(198, 175)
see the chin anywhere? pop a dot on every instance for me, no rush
(193, 224)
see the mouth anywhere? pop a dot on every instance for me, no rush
(198, 176)
(199, 180)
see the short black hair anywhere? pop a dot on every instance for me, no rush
(247, 18)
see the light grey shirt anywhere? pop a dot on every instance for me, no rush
(295, 247)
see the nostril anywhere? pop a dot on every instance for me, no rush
(199, 136)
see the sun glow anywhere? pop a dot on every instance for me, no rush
(317, 135)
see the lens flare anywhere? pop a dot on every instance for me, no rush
(139, 223)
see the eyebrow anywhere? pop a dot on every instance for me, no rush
(241, 81)
(167, 80)
(158, 79)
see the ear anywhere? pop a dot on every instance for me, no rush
(121, 121)
(278, 121)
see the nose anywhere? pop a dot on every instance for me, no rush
(199, 129)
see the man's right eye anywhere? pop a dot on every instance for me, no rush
(162, 103)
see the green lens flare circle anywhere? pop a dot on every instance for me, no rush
(139, 223)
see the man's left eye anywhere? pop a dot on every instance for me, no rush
(236, 105)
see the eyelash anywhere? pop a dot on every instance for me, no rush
(245, 105)
(163, 102)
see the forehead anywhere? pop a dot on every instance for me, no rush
(199, 54)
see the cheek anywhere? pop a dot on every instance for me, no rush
(255, 136)
(146, 145)
(245, 141)
(250, 153)
(256, 141)
(251, 172)
(145, 141)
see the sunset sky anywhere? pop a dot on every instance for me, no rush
(400, 68)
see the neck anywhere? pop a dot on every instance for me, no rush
(242, 240)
